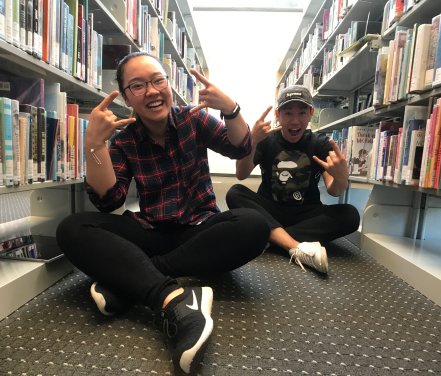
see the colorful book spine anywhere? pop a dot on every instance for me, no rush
(6, 140)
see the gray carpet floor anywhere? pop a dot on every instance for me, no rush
(270, 318)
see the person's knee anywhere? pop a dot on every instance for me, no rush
(233, 194)
(351, 218)
(258, 225)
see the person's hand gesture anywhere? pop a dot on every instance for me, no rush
(335, 164)
(262, 129)
(211, 96)
(103, 122)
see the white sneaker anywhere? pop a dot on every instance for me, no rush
(311, 254)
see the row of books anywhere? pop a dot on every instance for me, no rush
(61, 33)
(31, 248)
(406, 151)
(394, 10)
(332, 60)
(41, 135)
(151, 39)
(149, 36)
(410, 63)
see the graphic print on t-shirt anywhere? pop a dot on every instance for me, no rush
(291, 171)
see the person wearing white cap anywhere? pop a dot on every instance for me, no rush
(292, 160)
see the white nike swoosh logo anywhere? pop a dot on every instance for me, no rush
(194, 305)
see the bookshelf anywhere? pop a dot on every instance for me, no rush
(45, 204)
(399, 222)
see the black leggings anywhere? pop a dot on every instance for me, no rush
(141, 264)
(316, 222)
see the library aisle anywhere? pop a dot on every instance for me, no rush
(270, 318)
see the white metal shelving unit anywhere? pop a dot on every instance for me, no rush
(48, 203)
(400, 224)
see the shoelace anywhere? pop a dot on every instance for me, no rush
(167, 325)
(297, 259)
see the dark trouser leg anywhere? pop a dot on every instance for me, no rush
(317, 222)
(99, 245)
(239, 196)
(325, 223)
(135, 263)
(225, 242)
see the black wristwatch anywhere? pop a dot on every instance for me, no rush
(232, 115)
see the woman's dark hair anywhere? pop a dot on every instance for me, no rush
(123, 62)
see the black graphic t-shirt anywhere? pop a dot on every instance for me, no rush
(289, 174)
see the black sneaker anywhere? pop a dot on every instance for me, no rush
(186, 321)
(107, 302)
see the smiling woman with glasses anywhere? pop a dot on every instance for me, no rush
(179, 230)
(138, 88)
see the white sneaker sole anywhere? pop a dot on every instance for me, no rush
(193, 356)
(99, 300)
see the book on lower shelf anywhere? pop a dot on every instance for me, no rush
(31, 248)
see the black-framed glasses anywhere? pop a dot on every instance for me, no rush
(140, 87)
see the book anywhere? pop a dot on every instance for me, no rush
(45, 34)
(24, 123)
(41, 248)
(32, 142)
(424, 171)
(391, 157)
(399, 43)
(52, 137)
(73, 11)
(411, 56)
(430, 65)
(403, 76)
(393, 128)
(421, 54)
(380, 77)
(2, 20)
(410, 113)
(433, 156)
(37, 28)
(6, 141)
(388, 77)
(360, 144)
(407, 160)
(72, 140)
(437, 64)
(14, 242)
(41, 144)
(16, 23)
(29, 27)
(415, 157)
(15, 142)
(384, 153)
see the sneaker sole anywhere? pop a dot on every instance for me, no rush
(191, 358)
(99, 300)
(323, 261)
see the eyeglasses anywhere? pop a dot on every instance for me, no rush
(140, 88)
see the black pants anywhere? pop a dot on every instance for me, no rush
(317, 222)
(141, 264)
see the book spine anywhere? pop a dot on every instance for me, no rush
(7, 149)
(15, 142)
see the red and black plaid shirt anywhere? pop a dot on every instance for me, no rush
(174, 182)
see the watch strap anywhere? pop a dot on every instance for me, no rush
(232, 115)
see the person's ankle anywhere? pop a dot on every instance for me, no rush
(171, 296)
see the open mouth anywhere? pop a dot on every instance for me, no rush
(156, 104)
(294, 131)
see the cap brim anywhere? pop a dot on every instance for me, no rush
(294, 100)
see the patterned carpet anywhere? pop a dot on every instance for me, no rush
(270, 318)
